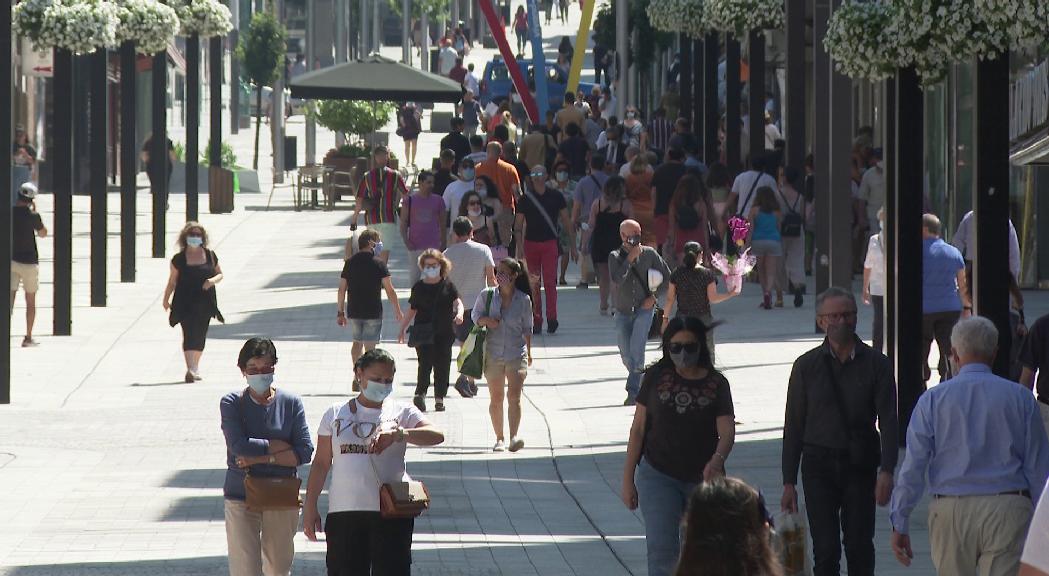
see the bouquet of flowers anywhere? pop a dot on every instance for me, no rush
(735, 266)
(742, 16)
(205, 18)
(678, 16)
(150, 24)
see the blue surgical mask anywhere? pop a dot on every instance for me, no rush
(432, 271)
(377, 391)
(260, 383)
(378, 248)
(562, 176)
(468, 174)
(194, 241)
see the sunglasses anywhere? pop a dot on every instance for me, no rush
(690, 347)
(537, 175)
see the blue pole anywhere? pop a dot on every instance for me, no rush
(542, 97)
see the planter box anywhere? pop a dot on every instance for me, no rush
(220, 190)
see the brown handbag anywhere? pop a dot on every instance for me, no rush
(266, 493)
(398, 499)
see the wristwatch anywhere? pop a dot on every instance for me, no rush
(402, 435)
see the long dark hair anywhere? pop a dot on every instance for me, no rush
(520, 272)
(693, 250)
(726, 532)
(464, 204)
(696, 327)
(490, 189)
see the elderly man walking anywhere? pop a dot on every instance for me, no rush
(944, 297)
(640, 276)
(980, 440)
(835, 393)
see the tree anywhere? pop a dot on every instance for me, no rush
(261, 52)
(435, 9)
(351, 117)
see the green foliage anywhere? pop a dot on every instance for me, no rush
(229, 157)
(351, 117)
(652, 41)
(262, 53)
(355, 150)
(436, 10)
(179, 150)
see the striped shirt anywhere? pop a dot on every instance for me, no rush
(660, 131)
(384, 189)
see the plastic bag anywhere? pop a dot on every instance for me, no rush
(789, 542)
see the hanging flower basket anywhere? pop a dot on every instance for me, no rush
(860, 40)
(678, 16)
(80, 26)
(205, 18)
(151, 25)
(1025, 23)
(742, 16)
(934, 33)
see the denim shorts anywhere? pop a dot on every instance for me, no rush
(766, 248)
(365, 330)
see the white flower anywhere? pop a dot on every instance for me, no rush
(206, 18)
(678, 16)
(742, 16)
(150, 24)
(860, 40)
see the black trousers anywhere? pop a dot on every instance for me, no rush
(436, 358)
(366, 544)
(938, 326)
(878, 329)
(194, 330)
(839, 498)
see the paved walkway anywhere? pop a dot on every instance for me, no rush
(110, 465)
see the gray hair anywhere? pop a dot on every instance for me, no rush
(975, 337)
(835, 292)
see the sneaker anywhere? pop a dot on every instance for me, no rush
(779, 300)
(499, 446)
(473, 388)
(438, 404)
(799, 298)
(189, 379)
(630, 401)
(516, 444)
(462, 386)
(604, 311)
(766, 301)
(196, 375)
(537, 328)
(28, 342)
(420, 402)
(551, 326)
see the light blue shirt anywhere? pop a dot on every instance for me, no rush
(507, 341)
(976, 434)
(941, 263)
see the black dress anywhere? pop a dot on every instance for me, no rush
(606, 232)
(192, 306)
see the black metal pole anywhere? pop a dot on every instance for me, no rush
(794, 124)
(732, 101)
(128, 162)
(234, 79)
(192, 124)
(889, 105)
(158, 152)
(711, 106)
(5, 204)
(99, 62)
(840, 157)
(63, 182)
(991, 203)
(215, 65)
(904, 236)
(684, 88)
(699, 86)
(821, 142)
(756, 107)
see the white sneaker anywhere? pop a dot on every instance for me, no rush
(499, 447)
(516, 444)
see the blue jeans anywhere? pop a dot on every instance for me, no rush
(632, 330)
(663, 500)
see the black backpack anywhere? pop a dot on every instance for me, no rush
(687, 217)
(793, 224)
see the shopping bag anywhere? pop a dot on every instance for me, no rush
(471, 356)
(789, 541)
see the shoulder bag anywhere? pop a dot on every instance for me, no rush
(656, 329)
(398, 499)
(471, 356)
(864, 445)
(265, 493)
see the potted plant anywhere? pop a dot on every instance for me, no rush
(262, 51)
(353, 120)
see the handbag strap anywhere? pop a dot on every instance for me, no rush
(542, 211)
(644, 285)
(371, 458)
(792, 209)
(739, 210)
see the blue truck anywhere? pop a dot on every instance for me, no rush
(496, 82)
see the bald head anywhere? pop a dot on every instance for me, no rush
(494, 150)
(629, 229)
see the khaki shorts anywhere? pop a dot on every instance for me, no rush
(495, 368)
(26, 274)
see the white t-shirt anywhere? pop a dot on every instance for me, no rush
(354, 486)
(875, 261)
(453, 196)
(742, 187)
(469, 260)
(1036, 553)
(446, 60)
(471, 83)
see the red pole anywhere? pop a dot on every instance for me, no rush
(499, 33)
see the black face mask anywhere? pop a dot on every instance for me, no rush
(841, 333)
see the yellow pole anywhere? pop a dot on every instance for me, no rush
(580, 45)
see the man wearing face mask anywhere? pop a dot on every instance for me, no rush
(979, 439)
(454, 192)
(836, 391)
(634, 268)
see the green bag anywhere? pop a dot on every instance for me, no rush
(471, 356)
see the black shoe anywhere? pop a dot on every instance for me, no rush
(473, 389)
(420, 402)
(799, 298)
(438, 404)
(537, 328)
(551, 326)
(462, 386)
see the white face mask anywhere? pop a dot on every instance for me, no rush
(432, 271)
(195, 241)
(260, 383)
(474, 212)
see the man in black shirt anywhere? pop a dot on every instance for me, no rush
(576, 151)
(835, 392)
(1034, 357)
(443, 176)
(364, 277)
(664, 182)
(456, 142)
(541, 215)
(26, 224)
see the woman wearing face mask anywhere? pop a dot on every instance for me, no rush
(434, 303)
(484, 227)
(266, 436)
(363, 443)
(682, 434)
(506, 311)
(566, 186)
(493, 206)
(195, 272)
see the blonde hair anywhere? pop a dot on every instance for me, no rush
(639, 165)
(186, 229)
(442, 261)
